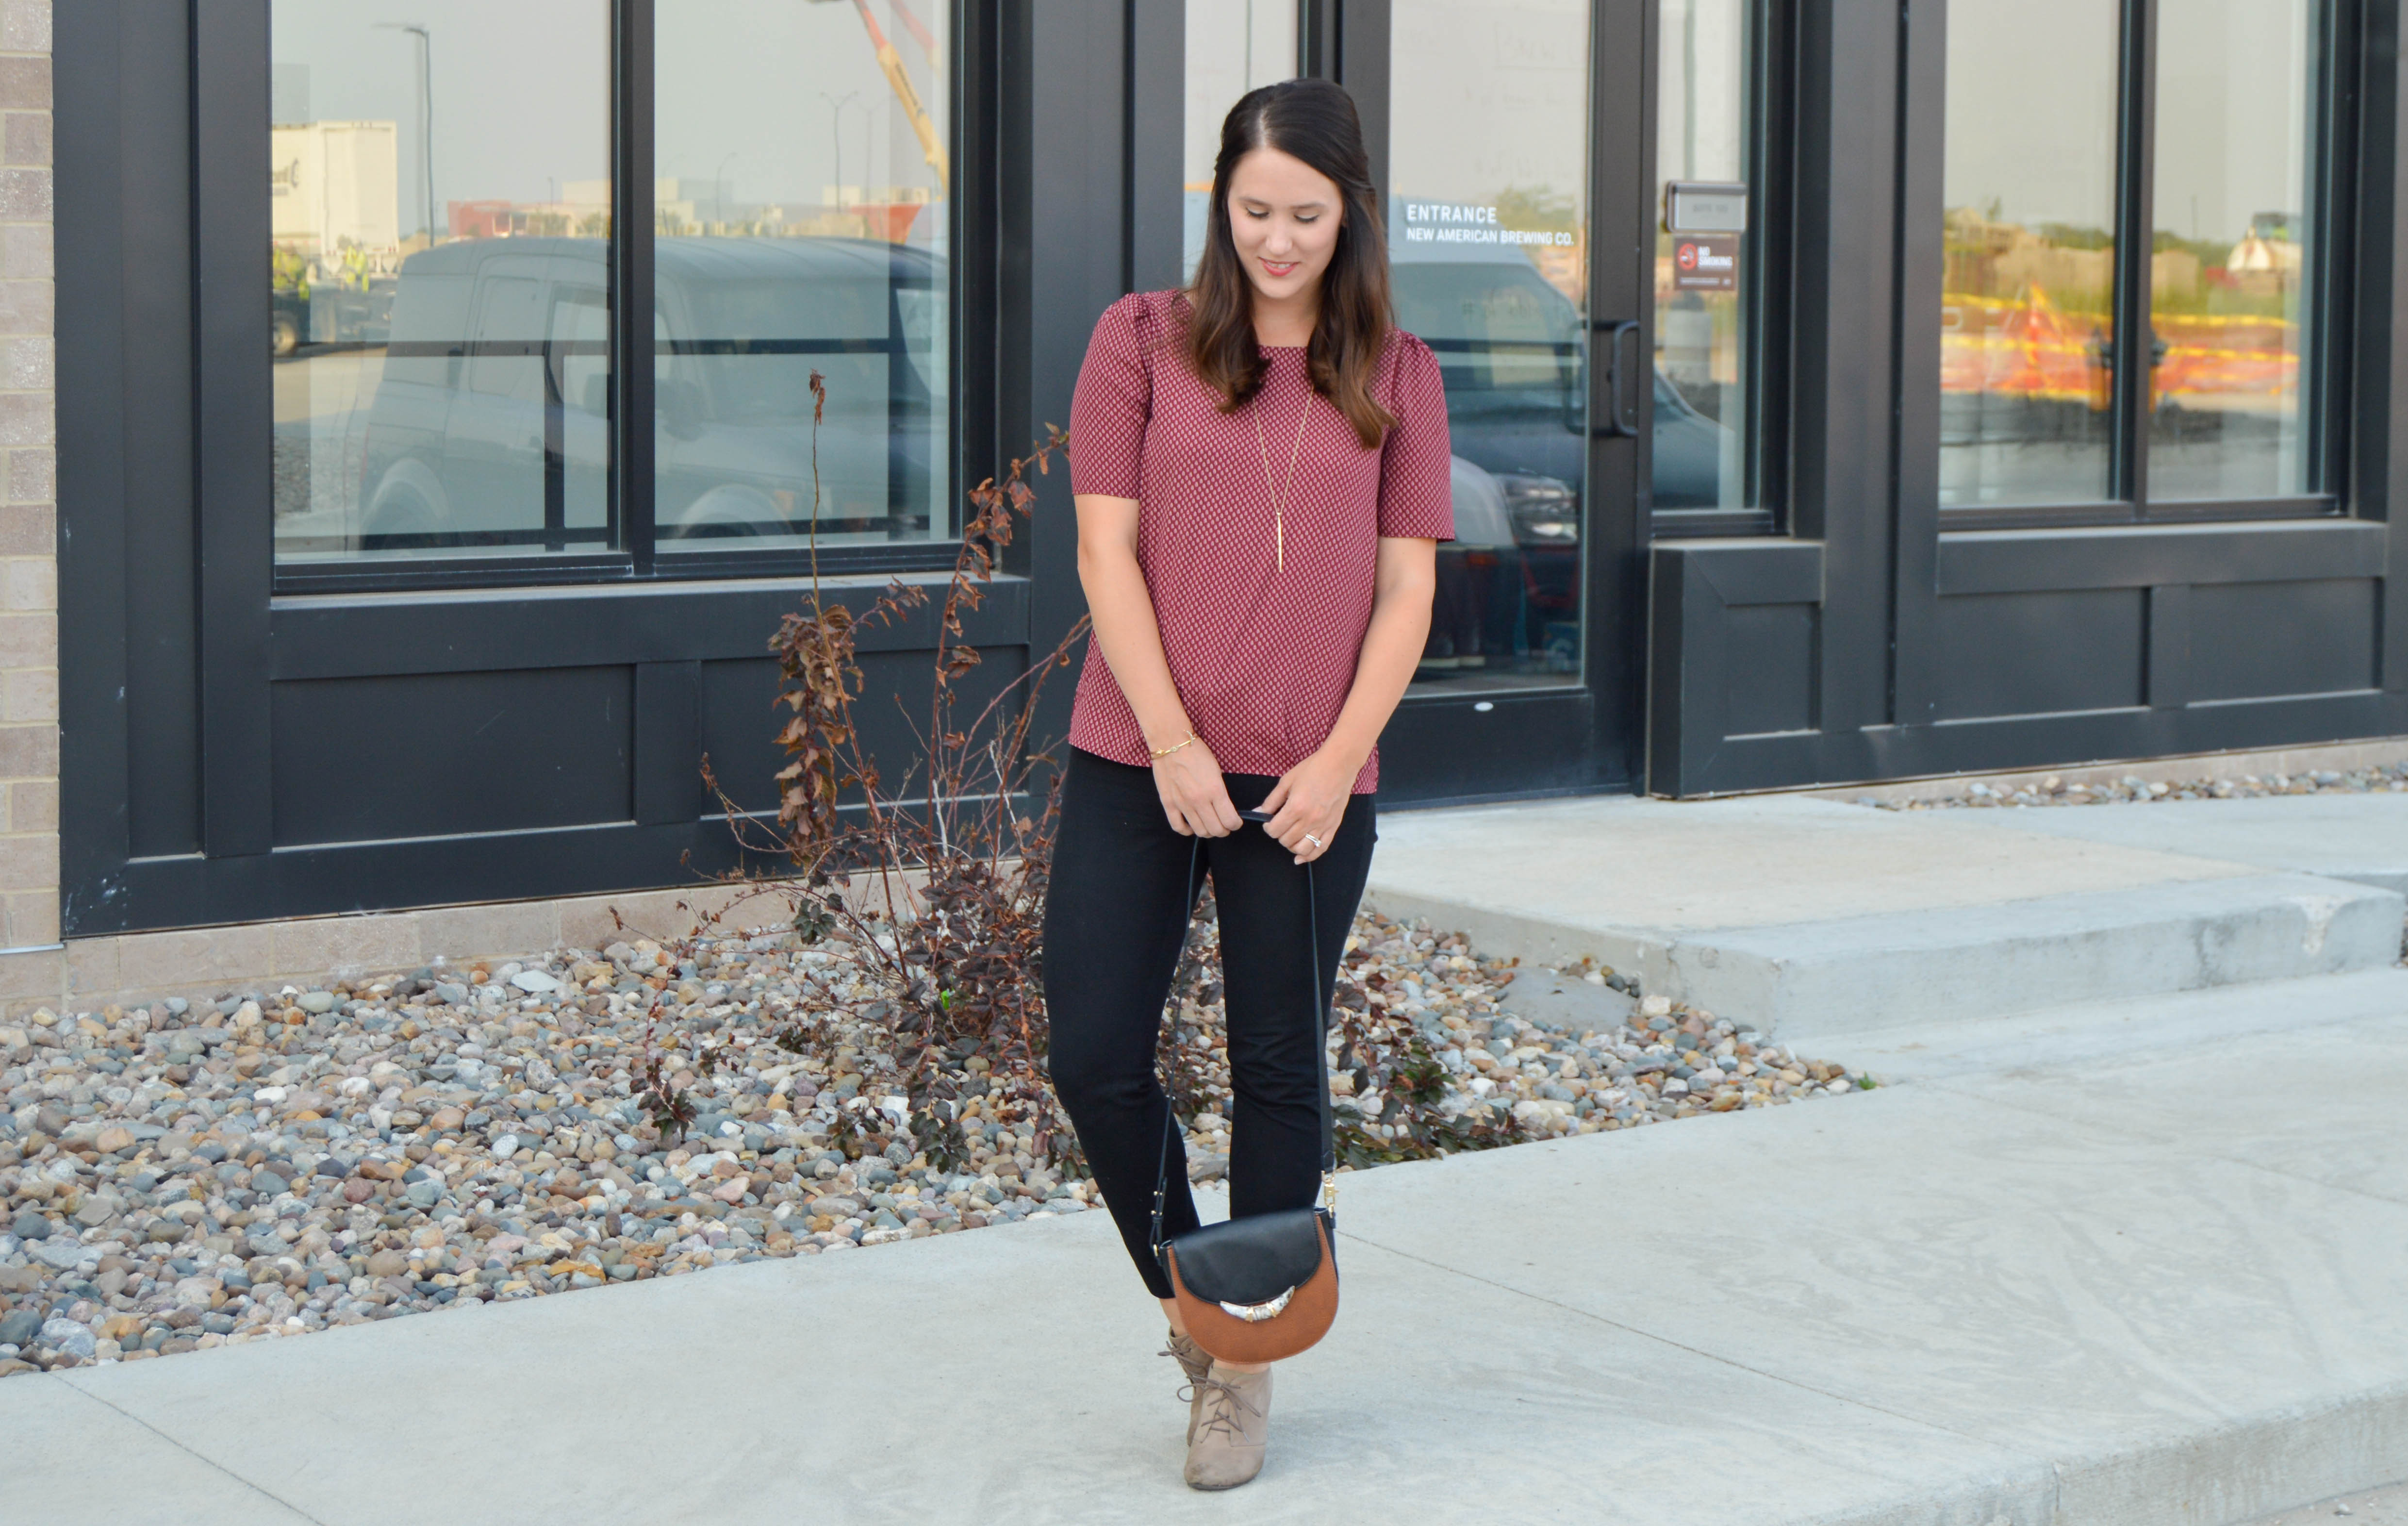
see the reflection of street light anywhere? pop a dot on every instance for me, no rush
(718, 185)
(425, 108)
(836, 133)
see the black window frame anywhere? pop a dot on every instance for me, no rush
(2335, 92)
(1766, 271)
(972, 211)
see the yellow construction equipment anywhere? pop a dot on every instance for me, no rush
(931, 147)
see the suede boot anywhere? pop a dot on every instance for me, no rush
(1196, 1364)
(1232, 1430)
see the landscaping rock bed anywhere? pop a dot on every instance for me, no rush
(257, 1164)
(2391, 778)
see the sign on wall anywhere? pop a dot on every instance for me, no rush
(1705, 262)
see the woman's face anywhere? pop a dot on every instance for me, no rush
(1284, 217)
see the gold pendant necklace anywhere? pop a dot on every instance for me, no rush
(1278, 491)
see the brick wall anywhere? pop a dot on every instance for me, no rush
(29, 602)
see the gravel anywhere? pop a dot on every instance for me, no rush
(2390, 779)
(260, 1164)
(2369, 1508)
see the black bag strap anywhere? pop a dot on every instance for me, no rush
(1320, 1009)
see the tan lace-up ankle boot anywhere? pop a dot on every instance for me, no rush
(1231, 1432)
(1195, 1363)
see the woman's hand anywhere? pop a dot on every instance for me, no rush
(1194, 796)
(1309, 802)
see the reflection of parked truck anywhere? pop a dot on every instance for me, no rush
(497, 372)
(1510, 348)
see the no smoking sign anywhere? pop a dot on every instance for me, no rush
(1705, 262)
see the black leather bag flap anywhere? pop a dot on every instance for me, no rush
(1252, 1259)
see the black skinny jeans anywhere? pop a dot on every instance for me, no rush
(1115, 918)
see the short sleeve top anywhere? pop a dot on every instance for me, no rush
(1263, 655)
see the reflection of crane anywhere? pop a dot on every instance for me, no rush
(892, 64)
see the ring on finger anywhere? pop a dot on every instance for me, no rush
(1315, 841)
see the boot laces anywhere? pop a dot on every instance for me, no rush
(1222, 1402)
(1194, 1361)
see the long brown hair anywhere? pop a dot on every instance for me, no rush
(1312, 121)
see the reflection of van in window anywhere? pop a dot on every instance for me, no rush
(1510, 349)
(488, 427)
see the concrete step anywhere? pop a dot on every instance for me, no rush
(1805, 917)
(2094, 1036)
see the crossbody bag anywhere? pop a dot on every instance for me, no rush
(1262, 1288)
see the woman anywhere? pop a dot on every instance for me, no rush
(1261, 470)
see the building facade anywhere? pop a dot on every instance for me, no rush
(434, 448)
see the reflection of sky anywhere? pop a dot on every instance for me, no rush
(748, 77)
(1485, 96)
(522, 94)
(2231, 114)
(1700, 91)
(522, 91)
(2031, 109)
(2032, 100)
(1233, 46)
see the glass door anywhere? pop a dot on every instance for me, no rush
(1489, 236)
(1519, 233)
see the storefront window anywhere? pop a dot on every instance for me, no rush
(1488, 234)
(440, 216)
(1233, 46)
(2232, 270)
(1701, 283)
(801, 220)
(2044, 144)
(2028, 316)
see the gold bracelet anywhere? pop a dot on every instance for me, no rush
(1157, 754)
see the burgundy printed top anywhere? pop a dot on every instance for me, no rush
(1263, 655)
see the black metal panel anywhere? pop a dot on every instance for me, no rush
(2012, 561)
(2135, 211)
(1064, 98)
(668, 740)
(189, 892)
(2030, 741)
(2043, 653)
(1916, 677)
(1845, 381)
(1316, 50)
(1719, 672)
(1766, 571)
(1521, 744)
(233, 423)
(740, 718)
(2379, 459)
(345, 636)
(2251, 641)
(87, 73)
(1771, 654)
(1622, 287)
(161, 583)
(1157, 72)
(2169, 654)
(1362, 67)
(374, 759)
(631, 278)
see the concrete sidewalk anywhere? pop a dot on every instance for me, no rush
(2160, 1288)
(1807, 917)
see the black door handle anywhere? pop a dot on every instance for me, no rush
(1618, 423)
